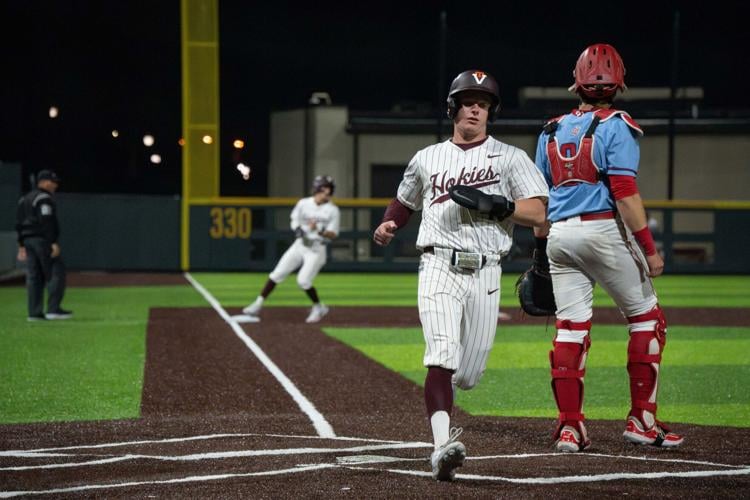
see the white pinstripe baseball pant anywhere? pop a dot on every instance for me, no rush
(458, 311)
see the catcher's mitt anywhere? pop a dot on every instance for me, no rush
(534, 289)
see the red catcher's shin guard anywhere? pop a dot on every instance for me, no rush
(647, 339)
(568, 361)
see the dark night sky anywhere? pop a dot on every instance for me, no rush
(113, 65)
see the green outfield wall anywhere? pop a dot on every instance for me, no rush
(119, 232)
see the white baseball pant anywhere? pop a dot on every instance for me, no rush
(458, 311)
(583, 253)
(309, 259)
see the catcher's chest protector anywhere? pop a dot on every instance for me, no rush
(580, 167)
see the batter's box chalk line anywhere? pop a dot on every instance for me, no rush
(245, 318)
(374, 459)
(359, 459)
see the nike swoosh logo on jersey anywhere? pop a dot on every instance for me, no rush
(490, 292)
(494, 156)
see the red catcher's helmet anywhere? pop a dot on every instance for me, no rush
(599, 72)
(474, 79)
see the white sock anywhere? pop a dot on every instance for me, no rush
(259, 300)
(440, 422)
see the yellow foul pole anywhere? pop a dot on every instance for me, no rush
(199, 20)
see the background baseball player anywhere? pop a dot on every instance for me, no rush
(599, 234)
(315, 221)
(459, 270)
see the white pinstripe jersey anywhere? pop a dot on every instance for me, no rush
(493, 166)
(326, 217)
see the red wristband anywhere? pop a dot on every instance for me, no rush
(645, 240)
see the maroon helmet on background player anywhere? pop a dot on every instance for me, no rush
(322, 181)
(599, 72)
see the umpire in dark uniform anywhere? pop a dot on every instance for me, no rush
(38, 232)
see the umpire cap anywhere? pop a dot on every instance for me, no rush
(48, 175)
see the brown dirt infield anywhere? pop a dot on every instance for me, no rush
(202, 380)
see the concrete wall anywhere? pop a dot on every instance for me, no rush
(297, 157)
(286, 167)
(386, 149)
(10, 192)
(713, 167)
(708, 166)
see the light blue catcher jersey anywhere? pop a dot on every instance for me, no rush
(615, 152)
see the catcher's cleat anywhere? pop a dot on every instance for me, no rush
(570, 441)
(446, 459)
(658, 435)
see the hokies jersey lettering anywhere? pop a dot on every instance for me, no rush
(493, 167)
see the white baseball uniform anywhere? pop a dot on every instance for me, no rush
(308, 252)
(458, 305)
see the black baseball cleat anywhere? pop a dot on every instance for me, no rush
(59, 314)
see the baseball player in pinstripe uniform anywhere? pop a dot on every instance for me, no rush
(315, 222)
(599, 234)
(459, 270)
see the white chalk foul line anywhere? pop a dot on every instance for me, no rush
(572, 479)
(218, 455)
(537, 480)
(40, 452)
(188, 479)
(605, 455)
(322, 426)
(15, 453)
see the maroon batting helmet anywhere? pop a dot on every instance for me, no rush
(599, 72)
(474, 79)
(322, 181)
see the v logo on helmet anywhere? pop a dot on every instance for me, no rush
(479, 76)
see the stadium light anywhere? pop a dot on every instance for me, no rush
(148, 140)
(115, 133)
(238, 144)
(53, 112)
(207, 139)
(155, 159)
(244, 170)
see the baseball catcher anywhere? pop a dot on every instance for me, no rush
(534, 287)
(597, 232)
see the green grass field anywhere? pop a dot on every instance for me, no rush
(91, 367)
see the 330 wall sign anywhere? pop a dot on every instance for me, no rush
(230, 222)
